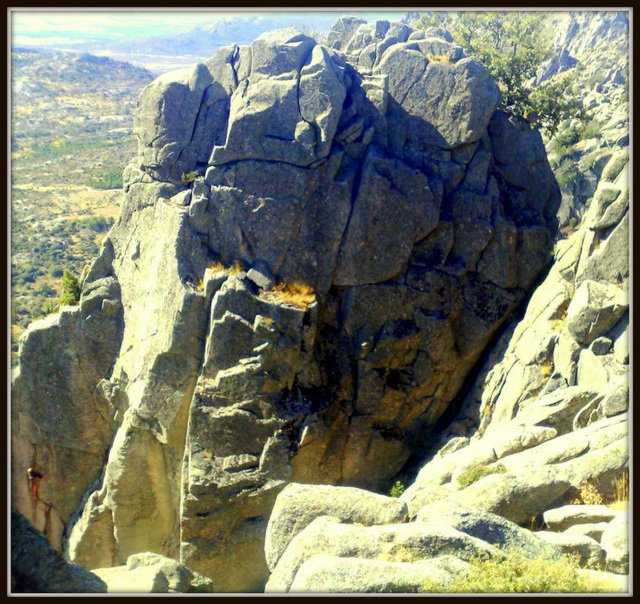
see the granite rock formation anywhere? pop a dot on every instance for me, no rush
(315, 246)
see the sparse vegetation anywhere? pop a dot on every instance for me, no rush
(111, 179)
(513, 45)
(70, 294)
(71, 127)
(517, 574)
(296, 294)
(589, 494)
(188, 177)
(474, 474)
(397, 489)
(438, 58)
(621, 489)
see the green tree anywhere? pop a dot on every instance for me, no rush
(513, 45)
(70, 294)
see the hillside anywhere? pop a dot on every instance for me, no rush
(72, 136)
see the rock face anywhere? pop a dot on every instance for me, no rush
(594, 48)
(314, 248)
(149, 573)
(37, 568)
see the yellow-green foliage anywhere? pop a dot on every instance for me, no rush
(516, 574)
(589, 493)
(70, 294)
(187, 177)
(397, 489)
(477, 472)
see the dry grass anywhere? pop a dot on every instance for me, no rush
(439, 59)
(589, 494)
(232, 269)
(296, 294)
(546, 369)
(621, 489)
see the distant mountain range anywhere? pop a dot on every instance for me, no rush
(160, 53)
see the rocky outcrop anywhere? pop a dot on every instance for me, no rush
(342, 557)
(152, 573)
(315, 247)
(592, 48)
(37, 568)
(545, 428)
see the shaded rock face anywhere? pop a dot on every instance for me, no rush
(381, 178)
(37, 568)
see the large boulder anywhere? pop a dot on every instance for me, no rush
(615, 542)
(587, 550)
(489, 527)
(298, 505)
(332, 574)
(410, 542)
(560, 519)
(152, 573)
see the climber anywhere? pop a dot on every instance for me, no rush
(33, 476)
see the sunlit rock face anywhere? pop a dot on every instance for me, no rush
(314, 248)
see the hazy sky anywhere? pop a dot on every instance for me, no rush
(48, 26)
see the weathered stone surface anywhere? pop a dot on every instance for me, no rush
(588, 550)
(373, 191)
(62, 426)
(120, 579)
(489, 527)
(152, 573)
(615, 542)
(298, 505)
(560, 519)
(609, 263)
(515, 497)
(342, 30)
(333, 574)
(559, 408)
(616, 399)
(594, 310)
(396, 542)
(37, 568)
(165, 138)
(593, 530)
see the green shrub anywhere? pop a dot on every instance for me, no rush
(49, 307)
(517, 574)
(397, 489)
(566, 172)
(590, 130)
(474, 474)
(188, 177)
(70, 289)
(108, 180)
